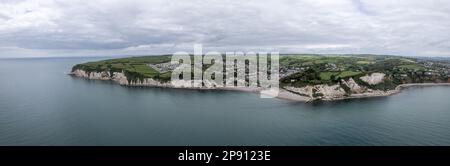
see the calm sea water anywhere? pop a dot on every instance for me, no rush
(41, 105)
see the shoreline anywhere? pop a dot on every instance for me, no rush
(397, 90)
(283, 94)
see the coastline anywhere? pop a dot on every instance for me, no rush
(397, 90)
(402, 86)
(283, 94)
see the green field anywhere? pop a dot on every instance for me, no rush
(412, 66)
(326, 76)
(136, 68)
(345, 74)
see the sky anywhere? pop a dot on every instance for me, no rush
(61, 28)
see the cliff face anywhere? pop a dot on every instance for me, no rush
(338, 91)
(323, 91)
(119, 77)
(374, 78)
(353, 86)
(91, 75)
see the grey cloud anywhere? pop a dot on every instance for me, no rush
(107, 27)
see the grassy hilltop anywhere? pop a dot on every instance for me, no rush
(133, 67)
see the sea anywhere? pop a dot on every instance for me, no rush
(40, 104)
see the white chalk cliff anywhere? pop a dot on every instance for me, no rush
(119, 77)
(346, 89)
(337, 91)
(374, 78)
